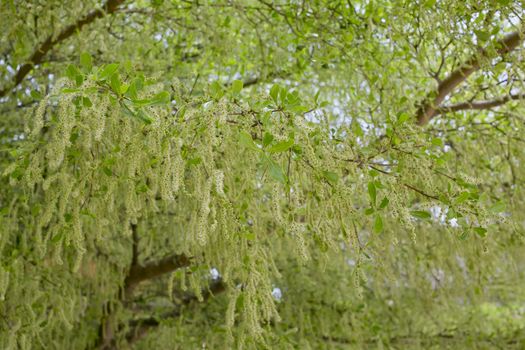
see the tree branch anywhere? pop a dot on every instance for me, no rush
(38, 55)
(480, 105)
(429, 107)
(135, 245)
(138, 274)
(421, 192)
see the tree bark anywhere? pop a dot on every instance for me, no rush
(479, 105)
(433, 101)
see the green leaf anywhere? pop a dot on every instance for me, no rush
(297, 149)
(267, 139)
(369, 211)
(292, 101)
(464, 196)
(430, 3)
(331, 177)
(161, 98)
(378, 224)
(436, 141)
(281, 146)
(237, 86)
(372, 192)
(86, 61)
(373, 173)
(239, 303)
(356, 128)
(86, 102)
(316, 97)
(403, 117)
(58, 237)
(36, 95)
(124, 88)
(141, 103)
(181, 113)
(108, 71)
(134, 88)
(276, 172)
(482, 232)
(115, 83)
(72, 72)
(384, 203)
(69, 90)
(194, 161)
(216, 90)
(274, 93)
(246, 140)
(79, 79)
(421, 214)
(144, 117)
(481, 35)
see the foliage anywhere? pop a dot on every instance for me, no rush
(256, 174)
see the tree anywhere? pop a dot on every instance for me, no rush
(261, 174)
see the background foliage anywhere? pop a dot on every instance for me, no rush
(261, 174)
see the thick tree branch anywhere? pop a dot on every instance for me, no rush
(135, 245)
(479, 105)
(138, 274)
(38, 55)
(432, 103)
